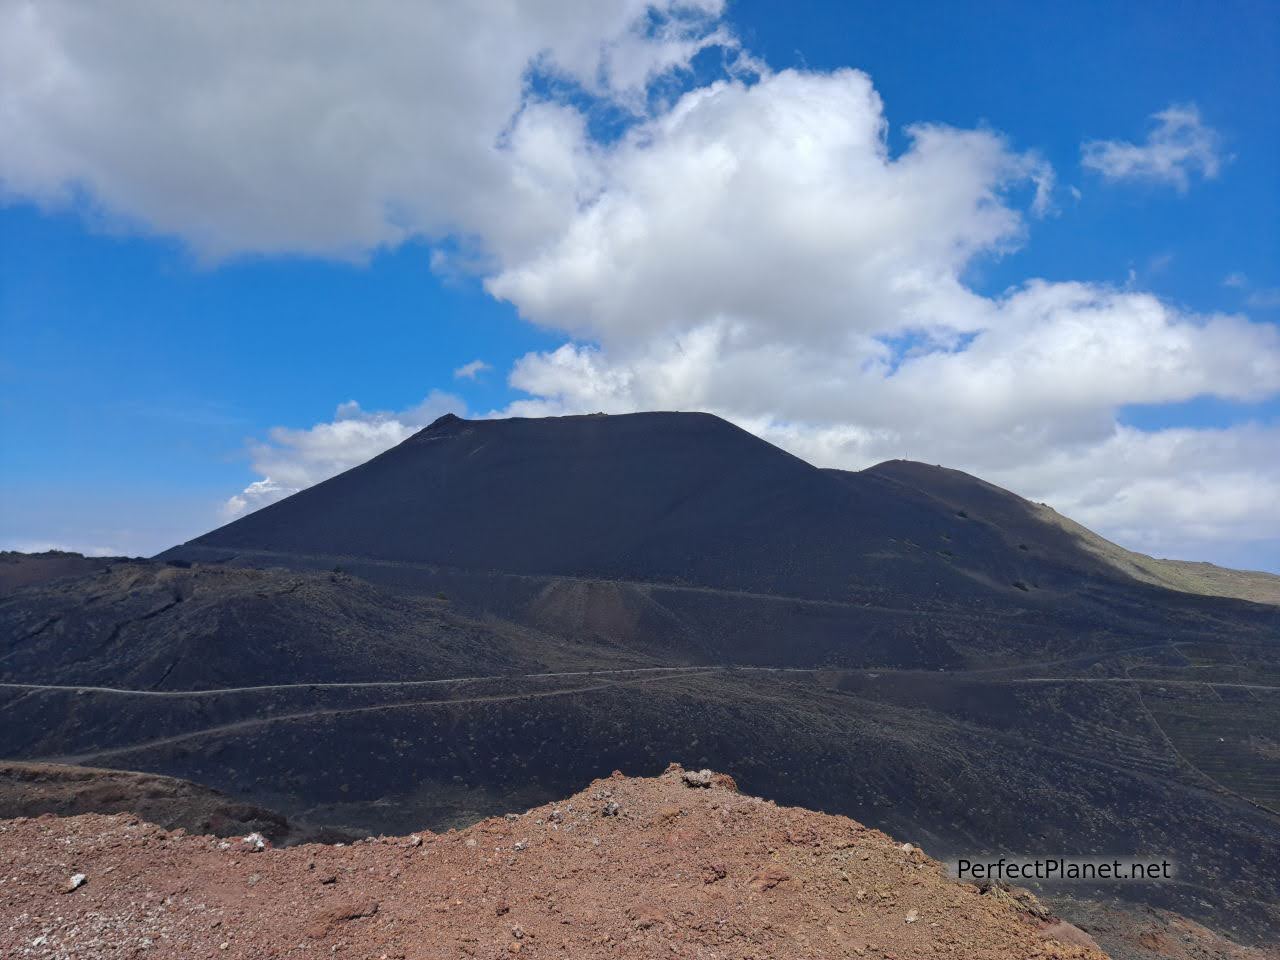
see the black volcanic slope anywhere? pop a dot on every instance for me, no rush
(494, 612)
(673, 497)
(669, 508)
(655, 496)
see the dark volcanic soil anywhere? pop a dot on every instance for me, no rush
(19, 570)
(32, 789)
(671, 870)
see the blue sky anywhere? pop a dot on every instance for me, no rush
(180, 278)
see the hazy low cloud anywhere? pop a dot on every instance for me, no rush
(1260, 298)
(1179, 146)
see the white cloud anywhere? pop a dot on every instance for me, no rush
(1178, 146)
(470, 371)
(779, 198)
(290, 460)
(323, 127)
(1236, 280)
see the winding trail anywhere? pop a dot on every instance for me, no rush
(81, 758)
(990, 674)
(339, 685)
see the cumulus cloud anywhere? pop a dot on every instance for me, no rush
(290, 460)
(323, 127)
(1178, 146)
(752, 202)
(748, 244)
(470, 371)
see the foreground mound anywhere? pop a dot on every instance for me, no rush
(662, 867)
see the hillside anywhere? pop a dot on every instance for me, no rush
(163, 627)
(1028, 522)
(626, 868)
(19, 570)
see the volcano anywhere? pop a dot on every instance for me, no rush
(663, 497)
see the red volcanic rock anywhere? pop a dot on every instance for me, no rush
(578, 885)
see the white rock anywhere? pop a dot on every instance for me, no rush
(255, 842)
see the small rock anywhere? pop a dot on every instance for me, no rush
(913, 916)
(769, 878)
(415, 841)
(712, 872)
(697, 778)
(254, 842)
(610, 809)
(75, 883)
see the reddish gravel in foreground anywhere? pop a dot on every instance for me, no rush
(672, 871)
